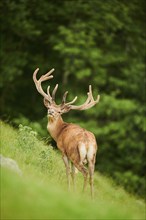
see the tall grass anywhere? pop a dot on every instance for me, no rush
(41, 192)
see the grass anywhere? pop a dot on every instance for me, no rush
(41, 192)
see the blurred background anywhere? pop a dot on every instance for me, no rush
(101, 43)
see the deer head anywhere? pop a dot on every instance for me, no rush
(55, 110)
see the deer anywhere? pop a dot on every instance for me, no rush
(76, 144)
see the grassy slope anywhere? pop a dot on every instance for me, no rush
(41, 192)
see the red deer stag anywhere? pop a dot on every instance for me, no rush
(75, 143)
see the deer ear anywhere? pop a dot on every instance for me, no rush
(46, 103)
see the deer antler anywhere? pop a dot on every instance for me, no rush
(47, 95)
(64, 99)
(90, 102)
(42, 79)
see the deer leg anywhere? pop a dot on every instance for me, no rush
(91, 173)
(81, 167)
(91, 166)
(67, 165)
(85, 182)
(73, 175)
(84, 171)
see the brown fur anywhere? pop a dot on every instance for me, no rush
(70, 138)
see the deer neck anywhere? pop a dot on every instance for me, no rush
(55, 126)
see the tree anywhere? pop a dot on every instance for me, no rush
(87, 42)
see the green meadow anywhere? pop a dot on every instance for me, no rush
(41, 192)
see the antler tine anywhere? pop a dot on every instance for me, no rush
(38, 84)
(88, 103)
(69, 103)
(64, 97)
(97, 99)
(90, 96)
(90, 92)
(91, 104)
(42, 79)
(47, 75)
(54, 92)
(34, 75)
(48, 92)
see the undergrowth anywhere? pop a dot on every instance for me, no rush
(41, 192)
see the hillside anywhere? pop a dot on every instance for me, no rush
(40, 193)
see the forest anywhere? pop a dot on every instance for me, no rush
(95, 42)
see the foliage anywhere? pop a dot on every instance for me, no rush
(24, 146)
(40, 193)
(26, 138)
(87, 42)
